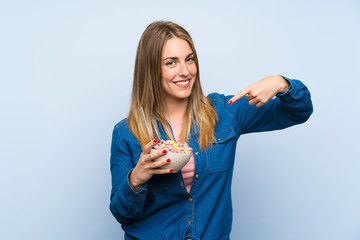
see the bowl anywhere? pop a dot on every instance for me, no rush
(178, 160)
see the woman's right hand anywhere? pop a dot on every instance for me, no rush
(147, 167)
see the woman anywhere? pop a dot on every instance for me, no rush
(151, 202)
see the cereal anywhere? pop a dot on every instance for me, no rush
(172, 147)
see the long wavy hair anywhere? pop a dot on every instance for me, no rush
(148, 93)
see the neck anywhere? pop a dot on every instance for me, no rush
(176, 110)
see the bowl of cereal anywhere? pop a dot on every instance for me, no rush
(176, 152)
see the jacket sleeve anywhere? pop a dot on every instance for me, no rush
(285, 110)
(125, 204)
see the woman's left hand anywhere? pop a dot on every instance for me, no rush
(262, 91)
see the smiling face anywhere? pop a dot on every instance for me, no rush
(178, 70)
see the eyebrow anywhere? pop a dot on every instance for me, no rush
(175, 58)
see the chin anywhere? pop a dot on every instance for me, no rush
(184, 96)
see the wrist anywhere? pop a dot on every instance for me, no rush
(284, 86)
(134, 183)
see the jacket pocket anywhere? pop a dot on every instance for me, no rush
(220, 155)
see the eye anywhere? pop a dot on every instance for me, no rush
(190, 59)
(170, 63)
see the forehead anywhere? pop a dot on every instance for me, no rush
(176, 47)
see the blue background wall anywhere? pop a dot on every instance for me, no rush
(66, 72)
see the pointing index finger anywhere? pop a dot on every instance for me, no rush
(241, 94)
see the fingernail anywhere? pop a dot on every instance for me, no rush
(168, 160)
(171, 170)
(164, 151)
(155, 140)
(229, 102)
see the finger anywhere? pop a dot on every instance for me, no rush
(249, 97)
(159, 164)
(157, 153)
(145, 158)
(238, 96)
(253, 101)
(162, 171)
(262, 102)
(148, 146)
(258, 101)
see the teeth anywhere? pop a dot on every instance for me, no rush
(183, 82)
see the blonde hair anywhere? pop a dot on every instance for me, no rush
(148, 92)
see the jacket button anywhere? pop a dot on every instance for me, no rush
(189, 222)
(219, 139)
(190, 199)
(196, 153)
(181, 184)
(197, 176)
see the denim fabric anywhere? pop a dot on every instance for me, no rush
(163, 209)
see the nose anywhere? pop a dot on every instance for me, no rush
(183, 70)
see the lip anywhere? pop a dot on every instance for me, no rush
(183, 86)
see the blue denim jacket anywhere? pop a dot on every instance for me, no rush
(163, 209)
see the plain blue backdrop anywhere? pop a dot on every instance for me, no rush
(66, 74)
